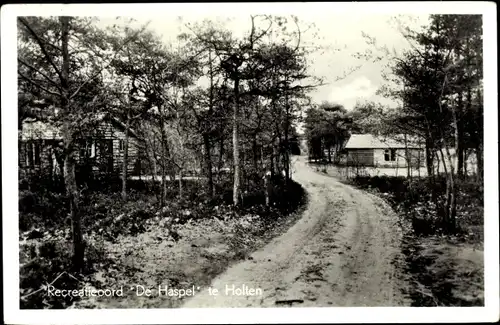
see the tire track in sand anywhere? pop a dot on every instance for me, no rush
(338, 254)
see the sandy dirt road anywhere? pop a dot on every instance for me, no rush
(339, 253)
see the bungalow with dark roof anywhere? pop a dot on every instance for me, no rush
(368, 150)
(101, 149)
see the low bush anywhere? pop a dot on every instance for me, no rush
(49, 262)
(45, 223)
(413, 199)
(40, 181)
(42, 209)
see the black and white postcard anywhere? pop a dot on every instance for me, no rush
(250, 162)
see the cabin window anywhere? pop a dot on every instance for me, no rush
(121, 145)
(29, 154)
(33, 154)
(390, 155)
(87, 149)
(37, 153)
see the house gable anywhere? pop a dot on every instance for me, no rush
(102, 148)
(32, 129)
(369, 141)
(369, 150)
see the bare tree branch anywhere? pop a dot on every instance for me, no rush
(252, 33)
(42, 46)
(40, 72)
(295, 20)
(109, 63)
(38, 85)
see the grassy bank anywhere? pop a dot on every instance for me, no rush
(443, 270)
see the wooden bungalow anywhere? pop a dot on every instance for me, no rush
(368, 150)
(101, 149)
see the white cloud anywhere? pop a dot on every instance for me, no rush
(358, 89)
(337, 36)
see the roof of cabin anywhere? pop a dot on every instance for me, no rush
(33, 129)
(369, 141)
(36, 129)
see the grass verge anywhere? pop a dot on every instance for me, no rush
(442, 270)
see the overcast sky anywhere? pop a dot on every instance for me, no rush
(338, 24)
(341, 31)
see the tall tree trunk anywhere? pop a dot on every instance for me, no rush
(279, 157)
(469, 101)
(236, 146)
(255, 153)
(419, 162)
(50, 167)
(458, 144)
(180, 184)
(479, 142)
(429, 156)
(286, 153)
(480, 160)
(125, 158)
(154, 165)
(267, 188)
(466, 166)
(438, 167)
(208, 165)
(408, 158)
(153, 170)
(206, 138)
(452, 200)
(460, 158)
(243, 173)
(449, 223)
(220, 164)
(273, 155)
(164, 158)
(459, 149)
(69, 160)
(445, 208)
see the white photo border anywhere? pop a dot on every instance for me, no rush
(13, 314)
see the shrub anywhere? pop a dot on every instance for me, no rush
(41, 209)
(414, 198)
(50, 262)
(40, 181)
